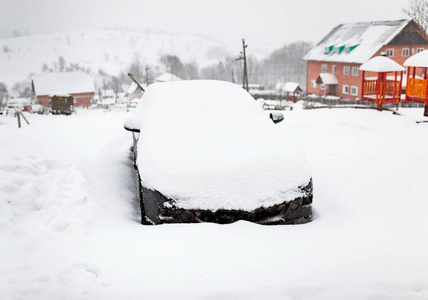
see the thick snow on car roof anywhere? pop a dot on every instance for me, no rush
(208, 145)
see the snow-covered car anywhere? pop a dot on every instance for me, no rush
(206, 152)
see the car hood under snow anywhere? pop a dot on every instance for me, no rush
(208, 145)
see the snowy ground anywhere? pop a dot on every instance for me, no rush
(69, 219)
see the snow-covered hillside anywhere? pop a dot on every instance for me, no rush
(69, 217)
(111, 51)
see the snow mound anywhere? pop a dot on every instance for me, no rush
(209, 145)
(41, 194)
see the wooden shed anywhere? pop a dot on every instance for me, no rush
(381, 81)
(292, 91)
(61, 104)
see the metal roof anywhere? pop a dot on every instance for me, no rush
(355, 42)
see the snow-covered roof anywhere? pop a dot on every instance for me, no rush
(59, 94)
(255, 86)
(262, 92)
(327, 78)
(418, 60)
(291, 87)
(131, 88)
(19, 101)
(381, 64)
(204, 143)
(355, 42)
(68, 82)
(167, 77)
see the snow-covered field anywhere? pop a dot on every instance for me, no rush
(69, 217)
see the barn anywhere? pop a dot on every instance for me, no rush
(76, 84)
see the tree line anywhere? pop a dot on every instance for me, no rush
(282, 65)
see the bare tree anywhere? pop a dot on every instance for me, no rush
(3, 93)
(61, 63)
(137, 66)
(173, 64)
(22, 89)
(285, 64)
(418, 11)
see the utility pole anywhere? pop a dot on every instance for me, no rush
(104, 87)
(244, 58)
(136, 81)
(147, 75)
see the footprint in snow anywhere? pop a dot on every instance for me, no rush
(42, 193)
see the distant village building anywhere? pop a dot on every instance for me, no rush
(165, 77)
(134, 92)
(76, 84)
(288, 91)
(19, 103)
(255, 87)
(108, 93)
(292, 90)
(333, 65)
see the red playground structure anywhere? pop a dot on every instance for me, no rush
(382, 81)
(417, 88)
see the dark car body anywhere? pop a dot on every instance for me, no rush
(191, 155)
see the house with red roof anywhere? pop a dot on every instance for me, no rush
(333, 65)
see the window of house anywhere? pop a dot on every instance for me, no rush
(389, 52)
(323, 86)
(323, 68)
(406, 52)
(345, 89)
(354, 90)
(420, 50)
(313, 84)
(333, 69)
(346, 70)
(355, 71)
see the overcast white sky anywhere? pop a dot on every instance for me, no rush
(264, 23)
